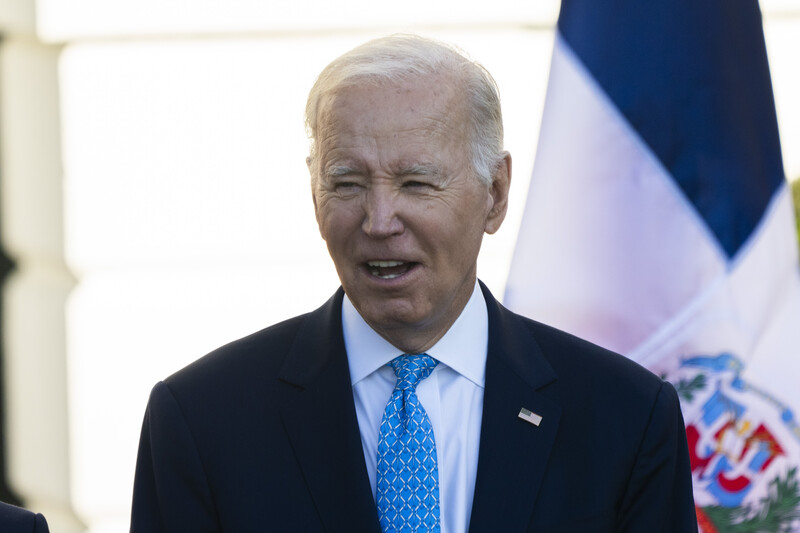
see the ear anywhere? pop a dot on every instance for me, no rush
(498, 191)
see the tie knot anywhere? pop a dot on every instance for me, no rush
(411, 369)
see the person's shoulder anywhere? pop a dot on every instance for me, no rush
(593, 379)
(576, 361)
(256, 357)
(262, 350)
(563, 344)
(16, 519)
(584, 364)
(10, 513)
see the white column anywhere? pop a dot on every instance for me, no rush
(35, 295)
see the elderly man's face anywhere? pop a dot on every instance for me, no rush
(397, 203)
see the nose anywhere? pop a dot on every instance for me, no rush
(381, 218)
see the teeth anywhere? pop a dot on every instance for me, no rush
(376, 268)
(384, 264)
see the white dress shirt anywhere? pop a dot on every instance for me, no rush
(452, 396)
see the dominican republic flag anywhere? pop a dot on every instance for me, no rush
(659, 224)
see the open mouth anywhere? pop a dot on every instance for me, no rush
(388, 269)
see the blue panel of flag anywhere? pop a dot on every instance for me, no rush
(693, 79)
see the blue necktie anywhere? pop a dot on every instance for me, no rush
(408, 475)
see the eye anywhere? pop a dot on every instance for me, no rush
(343, 178)
(420, 178)
(347, 187)
(416, 184)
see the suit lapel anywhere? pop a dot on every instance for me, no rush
(320, 420)
(513, 453)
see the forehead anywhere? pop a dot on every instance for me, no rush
(431, 103)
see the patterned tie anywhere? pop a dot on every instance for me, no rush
(408, 476)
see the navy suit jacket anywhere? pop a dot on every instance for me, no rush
(261, 435)
(17, 520)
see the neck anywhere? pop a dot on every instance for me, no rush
(418, 338)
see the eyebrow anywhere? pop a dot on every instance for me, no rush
(339, 170)
(419, 169)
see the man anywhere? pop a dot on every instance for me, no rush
(17, 520)
(412, 400)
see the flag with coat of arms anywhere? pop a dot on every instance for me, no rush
(659, 224)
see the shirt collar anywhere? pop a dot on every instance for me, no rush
(462, 348)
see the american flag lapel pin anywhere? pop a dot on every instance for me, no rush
(530, 417)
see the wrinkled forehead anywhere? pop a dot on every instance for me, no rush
(435, 99)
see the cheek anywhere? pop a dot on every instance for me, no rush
(327, 224)
(337, 221)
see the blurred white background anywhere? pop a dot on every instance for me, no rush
(156, 201)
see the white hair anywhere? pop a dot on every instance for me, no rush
(402, 57)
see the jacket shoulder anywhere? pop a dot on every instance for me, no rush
(13, 518)
(260, 352)
(581, 368)
(255, 361)
(565, 351)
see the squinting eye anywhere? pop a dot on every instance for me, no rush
(348, 189)
(413, 183)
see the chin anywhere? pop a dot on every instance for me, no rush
(385, 315)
